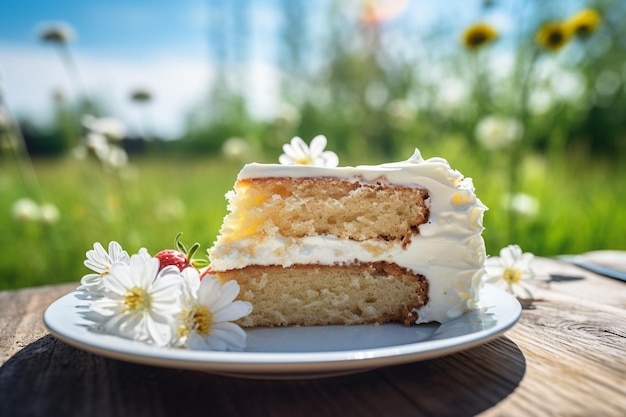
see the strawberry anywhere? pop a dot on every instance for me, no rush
(169, 257)
(180, 257)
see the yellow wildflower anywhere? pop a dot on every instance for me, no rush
(478, 35)
(553, 35)
(584, 23)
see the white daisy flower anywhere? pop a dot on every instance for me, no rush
(49, 213)
(521, 203)
(510, 271)
(109, 127)
(96, 144)
(298, 153)
(498, 132)
(205, 322)
(100, 261)
(139, 302)
(26, 209)
(237, 148)
(116, 158)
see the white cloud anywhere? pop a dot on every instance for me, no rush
(31, 75)
(263, 89)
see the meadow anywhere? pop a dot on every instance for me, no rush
(577, 205)
(533, 112)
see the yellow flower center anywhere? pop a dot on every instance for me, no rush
(135, 299)
(555, 38)
(306, 160)
(512, 275)
(199, 319)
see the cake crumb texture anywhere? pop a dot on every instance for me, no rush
(300, 207)
(311, 295)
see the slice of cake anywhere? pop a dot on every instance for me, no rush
(319, 245)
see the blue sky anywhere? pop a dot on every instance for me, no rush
(120, 45)
(161, 45)
(116, 27)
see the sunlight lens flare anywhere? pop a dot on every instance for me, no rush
(379, 11)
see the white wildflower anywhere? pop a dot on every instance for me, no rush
(401, 112)
(132, 297)
(5, 120)
(116, 158)
(298, 153)
(567, 85)
(288, 115)
(236, 148)
(510, 271)
(541, 102)
(96, 144)
(109, 127)
(139, 301)
(521, 203)
(452, 95)
(26, 209)
(49, 213)
(100, 261)
(205, 321)
(497, 132)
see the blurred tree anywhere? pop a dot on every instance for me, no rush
(66, 123)
(224, 111)
(294, 42)
(374, 85)
(603, 64)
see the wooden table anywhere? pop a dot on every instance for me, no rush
(566, 356)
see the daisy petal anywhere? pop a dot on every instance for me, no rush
(210, 291)
(232, 311)
(116, 253)
(230, 291)
(299, 147)
(215, 343)
(159, 330)
(317, 145)
(285, 159)
(232, 335)
(329, 158)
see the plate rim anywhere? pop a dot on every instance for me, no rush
(278, 365)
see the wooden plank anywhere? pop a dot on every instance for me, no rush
(50, 378)
(463, 384)
(564, 357)
(575, 361)
(561, 277)
(21, 316)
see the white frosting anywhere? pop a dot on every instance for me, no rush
(449, 250)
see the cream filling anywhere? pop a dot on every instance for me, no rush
(453, 268)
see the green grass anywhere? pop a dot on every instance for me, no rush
(582, 204)
(582, 208)
(97, 206)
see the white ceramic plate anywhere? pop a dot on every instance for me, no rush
(300, 352)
